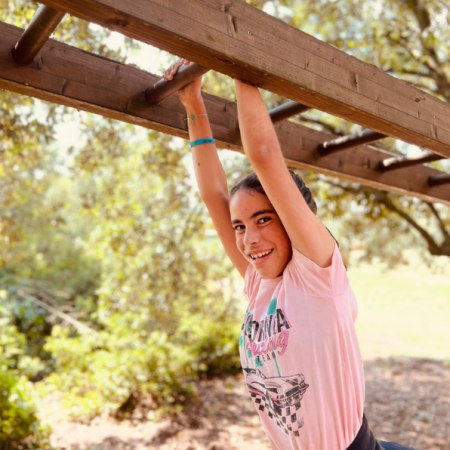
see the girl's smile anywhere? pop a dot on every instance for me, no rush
(260, 235)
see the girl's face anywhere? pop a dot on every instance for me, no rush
(260, 235)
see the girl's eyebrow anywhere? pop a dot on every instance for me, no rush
(257, 213)
(263, 211)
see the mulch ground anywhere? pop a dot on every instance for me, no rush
(407, 401)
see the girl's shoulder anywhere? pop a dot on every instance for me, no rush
(306, 275)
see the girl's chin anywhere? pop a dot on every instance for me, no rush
(267, 272)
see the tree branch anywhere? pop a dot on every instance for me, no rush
(410, 72)
(440, 221)
(80, 326)
(431, 60)
(433, 247)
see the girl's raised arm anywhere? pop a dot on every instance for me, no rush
(307, 233)
(211, 178)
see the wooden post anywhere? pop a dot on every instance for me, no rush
(286, 111)
(163, 89)
(36, 35)
(439, 180)
(399, 162)
(346, 142)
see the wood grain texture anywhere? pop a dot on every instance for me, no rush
(69, 76)
(239, 40)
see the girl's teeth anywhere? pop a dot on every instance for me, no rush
(259, 255)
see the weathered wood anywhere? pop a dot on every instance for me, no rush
(439, 180)
(287, 110)
(162, 89)
(239, 40)
(347, 142)
(400, 162)
(35, 36)
(72, 77)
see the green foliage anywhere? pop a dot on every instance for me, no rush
(19, 423)
(103, 372)
(161, 318)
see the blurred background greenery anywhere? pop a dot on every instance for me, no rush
(114, 290)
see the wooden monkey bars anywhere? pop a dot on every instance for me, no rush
(439, 180)
(186, 74)
(287, 110)
(347, 142)
(239, 40)
(400, 162)
(161, 90)
(243, 42)
(35, 36)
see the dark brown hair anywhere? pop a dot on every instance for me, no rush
(252, 182)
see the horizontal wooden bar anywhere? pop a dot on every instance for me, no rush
(35, 36)
(72, 77)
(347, 142)
(287, 110)
(400, 162)
(242, 41)
(439, 180)
(162, 89)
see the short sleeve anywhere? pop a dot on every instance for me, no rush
(251, 281)
(317, 281)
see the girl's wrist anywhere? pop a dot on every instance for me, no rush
(193, 110)
(194, 106)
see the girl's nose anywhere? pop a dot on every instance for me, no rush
(251, 236)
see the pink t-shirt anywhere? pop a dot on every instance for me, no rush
(300, 355)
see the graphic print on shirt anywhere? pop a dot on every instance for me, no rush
(281, 396)
(265, 340)
(262, 342)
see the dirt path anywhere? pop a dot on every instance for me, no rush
(407, 401)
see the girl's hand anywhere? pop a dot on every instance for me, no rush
(190, 94)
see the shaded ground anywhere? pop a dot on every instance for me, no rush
(407, 401)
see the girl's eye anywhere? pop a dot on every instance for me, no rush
(239, 228)
(264, 220)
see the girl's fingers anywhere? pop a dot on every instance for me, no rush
(172, 70)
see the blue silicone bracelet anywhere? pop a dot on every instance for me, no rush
(202, 141)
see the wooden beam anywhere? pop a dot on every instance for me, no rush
(241, 41)
(287, 110)
(400, 162)
(35, 36)
(72, 77)
(347, 142)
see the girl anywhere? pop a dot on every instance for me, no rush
(298, 345)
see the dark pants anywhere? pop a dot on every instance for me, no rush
(365, 440)
(393, 446)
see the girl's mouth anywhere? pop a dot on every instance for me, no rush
(260, 257)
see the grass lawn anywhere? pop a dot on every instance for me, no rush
(405, 312)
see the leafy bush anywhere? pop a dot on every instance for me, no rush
(105, 371)
(19, 425)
